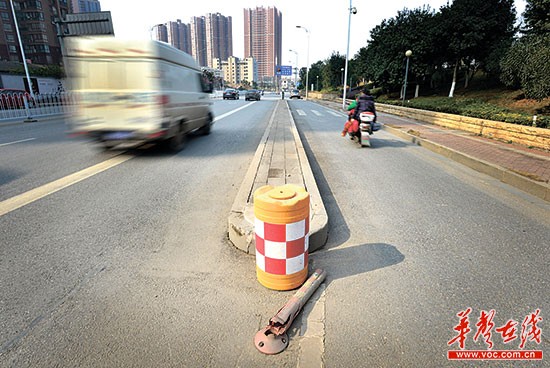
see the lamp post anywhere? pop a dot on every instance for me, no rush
(342, 76)
(408, 54)
(317, 84)
(351, 11)
(296, 73)
(29, 117)
(307, 62)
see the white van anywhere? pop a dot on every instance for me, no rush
(136, 91)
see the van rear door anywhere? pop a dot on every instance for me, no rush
(118, 94)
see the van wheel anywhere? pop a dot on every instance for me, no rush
(177, 142)
(105, 146)
(205, 130)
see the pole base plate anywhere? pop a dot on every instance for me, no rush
(269, 343)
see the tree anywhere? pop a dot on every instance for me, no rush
(315, 72)
(525, 65)
(473, 29)
(383, 60)
(537, 17)
(302, 77)
(331, 74)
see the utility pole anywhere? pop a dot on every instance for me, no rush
(25, 102)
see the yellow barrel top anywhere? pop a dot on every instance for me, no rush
(281, 205)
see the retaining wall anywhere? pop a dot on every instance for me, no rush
(515, 133)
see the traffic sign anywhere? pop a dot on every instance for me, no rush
(285, 70)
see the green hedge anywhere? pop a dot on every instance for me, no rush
(471, 107)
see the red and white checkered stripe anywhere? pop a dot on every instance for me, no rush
(282, 249)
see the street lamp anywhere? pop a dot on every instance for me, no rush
(351, 11)
(29, 117)
(408, 54)
(296, 73)
(307, 62)
(342, 75)
(317, 84)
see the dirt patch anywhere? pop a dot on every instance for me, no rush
(512, 100)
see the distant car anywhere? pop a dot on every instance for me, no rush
(295, 94)
(231, 94)
(252, 94)
(14, 98)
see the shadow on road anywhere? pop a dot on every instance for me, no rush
(336, 219)
(344, 262)
(9, 175)
(340, 263)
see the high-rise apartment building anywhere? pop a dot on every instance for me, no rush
(263, 39)
(38, 33)
(198, 39)
(159, 32)
(175, 33)
(179, 35)
(85, 6)
(219, 37)
(206, 38)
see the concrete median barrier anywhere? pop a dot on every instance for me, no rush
(279, 159)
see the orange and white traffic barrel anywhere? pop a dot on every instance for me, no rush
(281, 228)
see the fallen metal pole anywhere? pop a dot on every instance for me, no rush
(273, 338)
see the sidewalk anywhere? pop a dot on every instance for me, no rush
(280, 159)
(524, 168)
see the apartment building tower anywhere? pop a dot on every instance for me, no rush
(159, 32)
(175, 33)
(219, 37)
(206, 38)
(198, 39)
(263, 39)
(38, 33)
(179, 35)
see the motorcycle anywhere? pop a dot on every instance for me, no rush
(367, 126)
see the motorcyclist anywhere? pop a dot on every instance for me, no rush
(365, 103)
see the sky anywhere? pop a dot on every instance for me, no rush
(326, 21)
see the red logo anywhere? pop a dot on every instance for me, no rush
(530, 332)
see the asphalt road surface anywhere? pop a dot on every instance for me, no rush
(415, 239)
(125, 261)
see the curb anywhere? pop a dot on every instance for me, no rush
(318, 233)
(241, 217)
(538, 189)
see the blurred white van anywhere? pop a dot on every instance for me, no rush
(136, 91)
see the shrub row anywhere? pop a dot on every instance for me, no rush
(473, 108)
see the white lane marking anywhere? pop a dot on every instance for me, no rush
(32, 195)
(301, 112)
(316, 112)
(232, 112)
(23, 140)
(334, 113)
